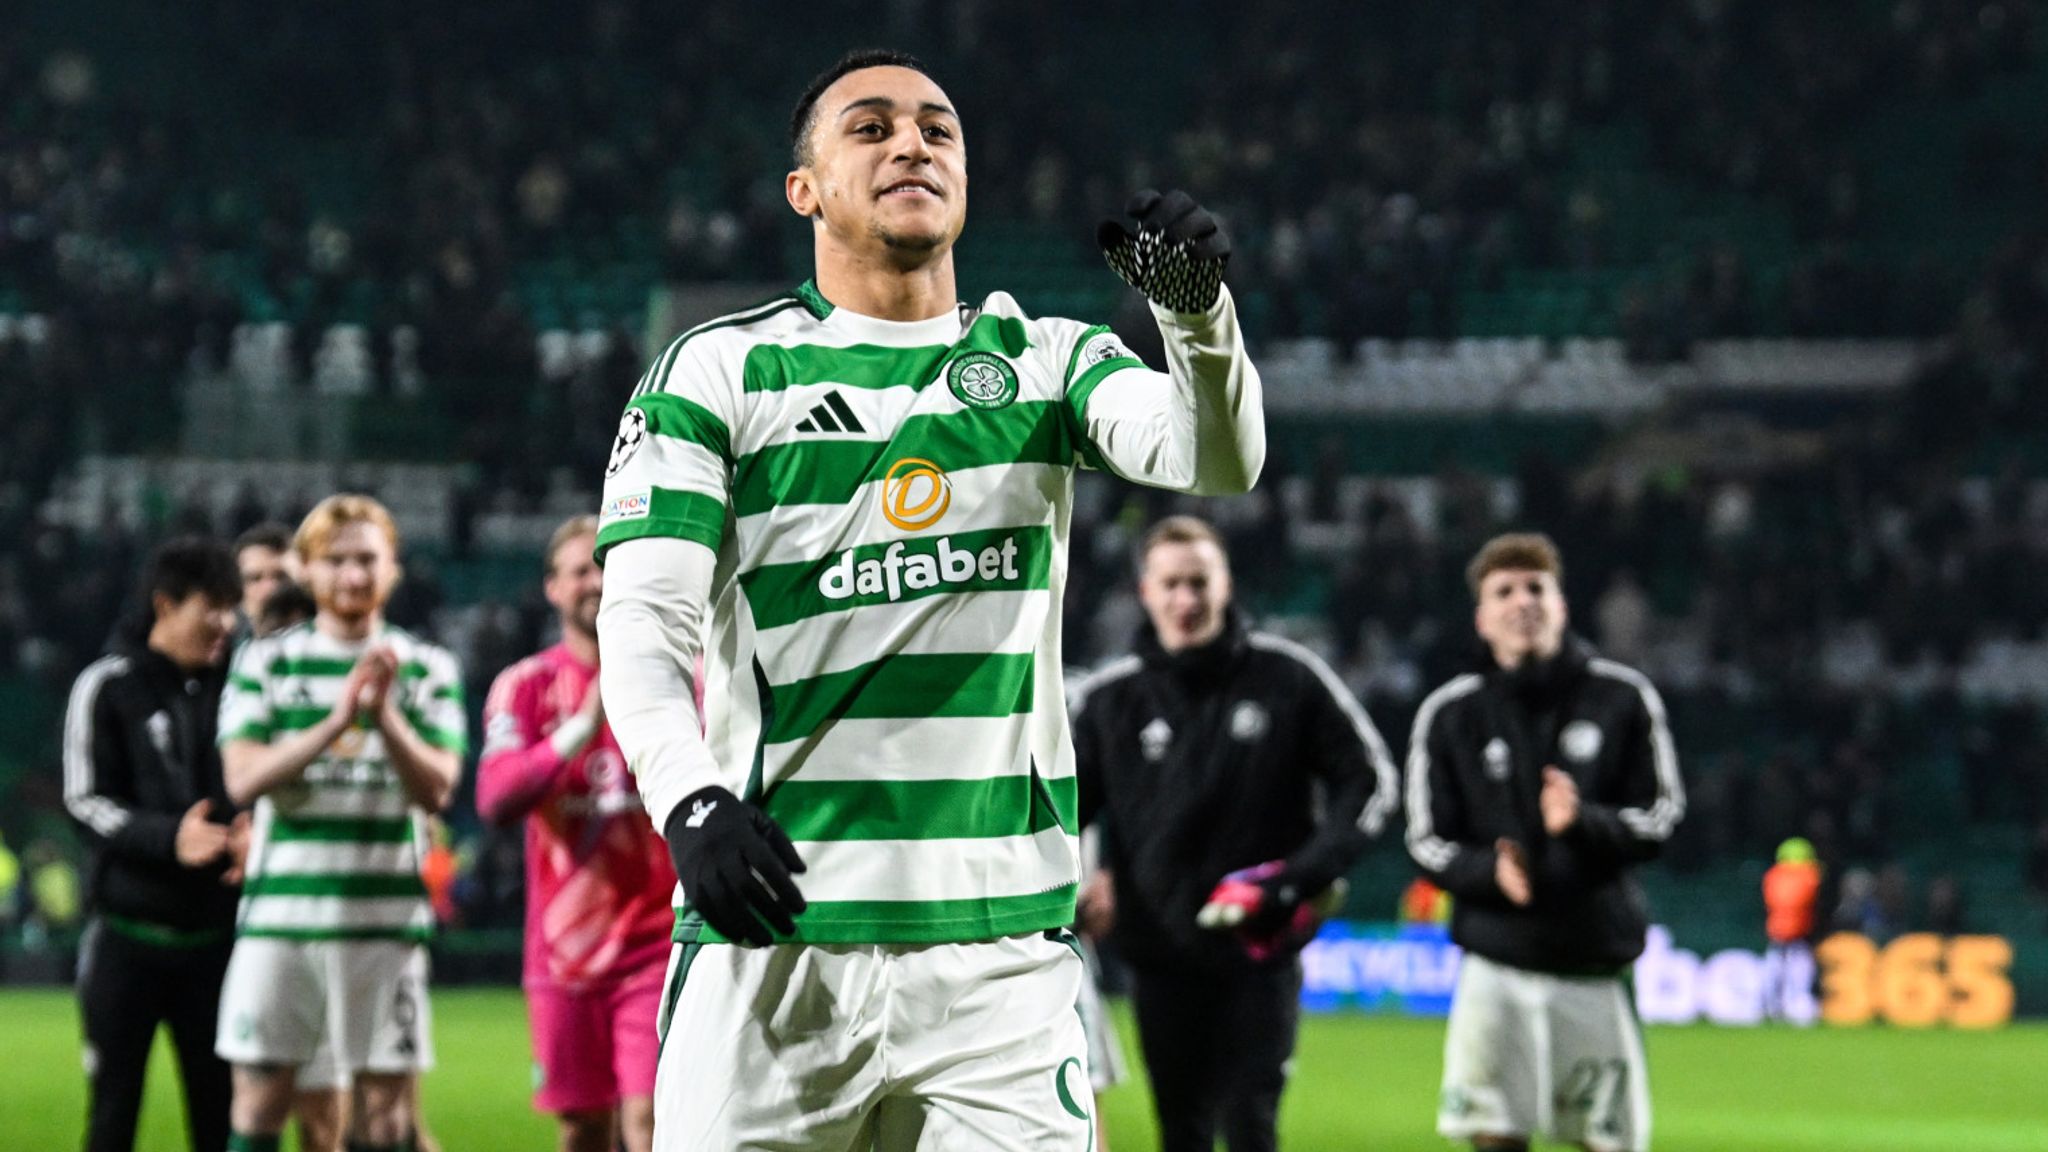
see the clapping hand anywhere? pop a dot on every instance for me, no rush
(1559, 801)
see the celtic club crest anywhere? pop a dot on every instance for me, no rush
(982, 380)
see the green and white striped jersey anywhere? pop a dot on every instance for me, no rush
(888, 504)
(336, 854)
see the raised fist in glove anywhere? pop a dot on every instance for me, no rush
(1175, 258)
(735, 866)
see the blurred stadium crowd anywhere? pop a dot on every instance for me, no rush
(1848, 622)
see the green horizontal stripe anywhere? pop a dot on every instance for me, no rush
(331, 666)
(671, 512)
(1084, 385)
(299, 719)
(774, 368)
(781, 594)
(673, 416)
(904, 687)
(921, 809)
(330, 829)
(452, 739)
(245, 683)
(415, 934)
(910, 921)
(442, 738)
(260, 733)
(345, 884)
(771, 368)
(832, 471)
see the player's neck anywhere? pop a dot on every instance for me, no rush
(581, 645)
(348, 628)
(872, 286)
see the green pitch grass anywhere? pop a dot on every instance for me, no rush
(1359, 1084)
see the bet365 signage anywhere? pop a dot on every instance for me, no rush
(1916, 981)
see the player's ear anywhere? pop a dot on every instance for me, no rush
(802, 193)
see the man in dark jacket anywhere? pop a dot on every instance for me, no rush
(1211, 750)
(1533, 787)
(143, 781)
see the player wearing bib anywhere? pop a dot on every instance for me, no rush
(344, 733)
(854, 502)
(598, 879)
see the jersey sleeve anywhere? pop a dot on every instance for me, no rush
(651, 629)
(245, 710)
(1091, 354)
(670, 471)
(1633, 826)
(1438, 837)
(509, 713)
(436, 707)
(1198, 427)
(518, 764)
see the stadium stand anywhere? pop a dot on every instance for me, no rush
(1743, 302)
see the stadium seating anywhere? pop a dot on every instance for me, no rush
(1736, 381)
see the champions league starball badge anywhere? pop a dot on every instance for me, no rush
(632, 430)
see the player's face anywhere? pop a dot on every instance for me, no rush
(575, 585)
(354, 575)
(888, 168)
(1521, 613)
(1185, 588)
(192, 633)
(263, 572)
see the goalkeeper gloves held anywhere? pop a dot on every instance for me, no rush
(735, 866)
(1269, 909)
(1176, 257)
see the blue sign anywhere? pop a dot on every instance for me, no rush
(1409, 969)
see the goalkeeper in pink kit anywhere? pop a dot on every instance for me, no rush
(598, 878)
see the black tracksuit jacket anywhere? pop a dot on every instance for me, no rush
(1206, 761)
(138, 751)
(1475, 771)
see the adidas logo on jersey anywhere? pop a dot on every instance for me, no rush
(898, 569)
(834, 415)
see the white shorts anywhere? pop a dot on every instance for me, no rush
(837, 1047)
(1529, 1053)
(331, 1007)
(323, 1071)
(1105, 1052)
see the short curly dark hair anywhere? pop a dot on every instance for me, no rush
(804, 117)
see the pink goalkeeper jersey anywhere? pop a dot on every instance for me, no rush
(598, 878)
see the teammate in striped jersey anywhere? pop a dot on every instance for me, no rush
(344, 732)
(854, 502)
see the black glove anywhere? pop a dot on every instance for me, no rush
(735, 866)
(1176, 258)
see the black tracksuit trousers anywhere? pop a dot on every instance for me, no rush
(1217, 1046)
(126, 988)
